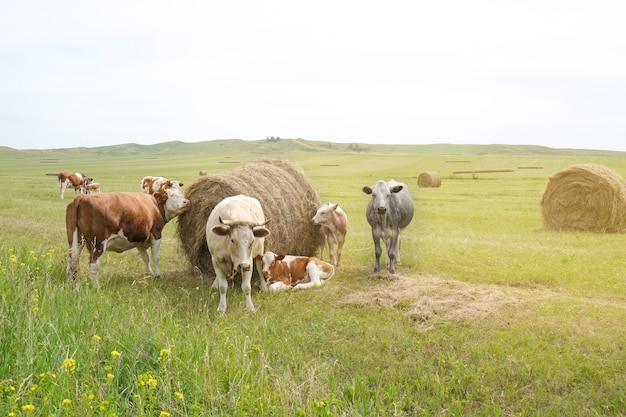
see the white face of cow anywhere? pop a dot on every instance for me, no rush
(175, 204)
(241, 240)
(268, 260)
(324, 214)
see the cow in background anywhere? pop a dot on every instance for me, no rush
(284, 272)
(74, 180)
(334, 223)
(235, 235)
(151, 185)
(93, 187)
(118, 222)
(389, 211)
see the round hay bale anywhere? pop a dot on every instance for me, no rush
(585, 197)
(285, 193)
(429, 179)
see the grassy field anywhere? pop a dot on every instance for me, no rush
(490, 314)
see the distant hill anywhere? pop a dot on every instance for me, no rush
(301, 145)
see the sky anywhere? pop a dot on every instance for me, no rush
(540, 72)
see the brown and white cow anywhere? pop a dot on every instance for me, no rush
(74, 180)
(94, 187)
(235, 235)
(118, 222)
(150, 184)
(334, 223)
(284, 272)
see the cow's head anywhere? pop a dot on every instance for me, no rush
(324, 214)
(242, 236)
(381, 193)
(173, 201)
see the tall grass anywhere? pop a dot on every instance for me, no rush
(146, 347)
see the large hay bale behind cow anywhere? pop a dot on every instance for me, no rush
(429, 179)
(585, 197)
(285, 193)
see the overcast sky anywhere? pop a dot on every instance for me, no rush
(83, 73)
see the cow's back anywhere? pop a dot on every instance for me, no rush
(403, 205)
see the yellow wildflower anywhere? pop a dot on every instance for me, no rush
(164, 414)
(115, 354)
(68, 365)
(28, 407)
(13, 259)
(96, 338)
(66, 401)
(110, 377)
(179, 395)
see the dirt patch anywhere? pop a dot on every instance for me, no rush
(428, 299)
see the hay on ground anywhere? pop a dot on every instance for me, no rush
(285, 193)
(429, 179)
(585, 197)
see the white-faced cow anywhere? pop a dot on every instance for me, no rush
(151, 185)
(334, 223)
(284, 272)
(235, 235)
(74, 180)
(389, 211)
(118, 222)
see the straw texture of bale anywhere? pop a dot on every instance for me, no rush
(285, 193)
(429, 179)
(585, 197)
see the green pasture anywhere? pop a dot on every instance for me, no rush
(489, 314)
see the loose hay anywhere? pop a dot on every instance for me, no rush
(429, 299)
(429, 179)
(585, 197)
(285, 193)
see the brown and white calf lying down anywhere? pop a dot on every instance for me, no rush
(285, 272)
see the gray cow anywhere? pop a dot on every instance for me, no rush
(389, 211)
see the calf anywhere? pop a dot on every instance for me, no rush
(75, 180)
(118, 222)
(152, 185)
(389, 211)
(334, 223)
(235, 235)
(94, 187)
(298, 272)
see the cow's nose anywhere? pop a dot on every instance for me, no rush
(381, 210)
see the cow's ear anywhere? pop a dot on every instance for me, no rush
(367, 190)
(180, 184)
(280, 257)
(396, 189)
(220, 230)
(160, 196)
(260, 232)
(334, 206)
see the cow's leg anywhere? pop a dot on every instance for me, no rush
(222, 285)
(62, 187)
(156, 244)
(96, 250)
(377, 250)
(392, 250)
(73, 258)
(278, 286)
(340, 241)
(146, 259)
(331, 248)
(246, 288)
(313, 274)
(258, 265)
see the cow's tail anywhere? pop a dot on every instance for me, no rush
(74, 238)
(329, 271)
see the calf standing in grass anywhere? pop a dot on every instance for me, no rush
(334, 223)
(389, 211)
(284, 272)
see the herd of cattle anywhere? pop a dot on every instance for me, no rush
(235, 232)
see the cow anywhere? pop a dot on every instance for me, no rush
(334, 223)
(235, 234)
(284, 272)
(389, 211)
(74, 180)
(151, 184)
(93, 187)
(118, 222)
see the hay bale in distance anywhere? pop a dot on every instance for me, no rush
(285, 193)
(585, 197)
(429, 179)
